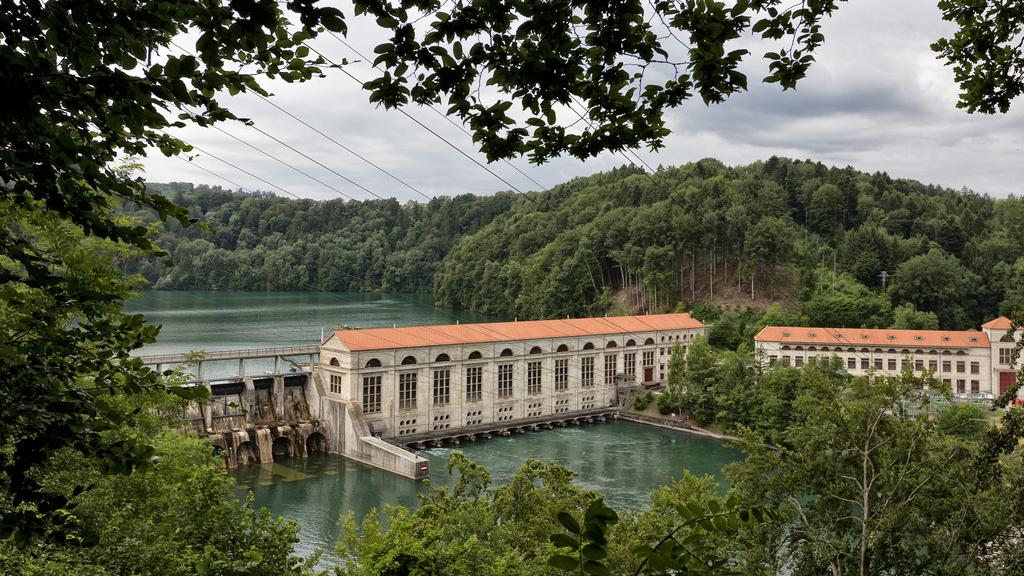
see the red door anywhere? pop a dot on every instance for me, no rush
(1006, 379)
(649, 374)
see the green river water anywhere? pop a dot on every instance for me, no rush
(623, 461)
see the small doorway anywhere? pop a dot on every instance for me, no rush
(649, 374)
(1006, 379)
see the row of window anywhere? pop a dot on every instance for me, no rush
(476, 355)
(503, 414)
(961, 385)
(889, 364)
(407, 382)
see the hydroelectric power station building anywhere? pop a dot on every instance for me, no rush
(401, 384)
(973, 363)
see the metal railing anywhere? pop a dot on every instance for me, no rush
(281, 351)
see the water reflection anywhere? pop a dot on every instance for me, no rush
(621, 460)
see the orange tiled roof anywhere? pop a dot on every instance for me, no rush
(1001, 323)
(449, 334)
(874, 337)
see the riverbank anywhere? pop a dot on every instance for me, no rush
(671, 423)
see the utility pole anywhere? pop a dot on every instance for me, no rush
(884, 276)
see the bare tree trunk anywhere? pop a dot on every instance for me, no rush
(711, 276)
(693, 269)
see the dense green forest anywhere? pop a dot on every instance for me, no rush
(264, 242)
(813, 238)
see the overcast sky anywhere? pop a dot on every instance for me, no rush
(876, 100)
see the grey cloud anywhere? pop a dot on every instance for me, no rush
(876, 99)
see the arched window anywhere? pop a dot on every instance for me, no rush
(442, 358)
(562, 348)
(785, 347)
(612, 344)
(1006, 338)
(630, 342)
(506, 352)
(588, 346)
(373, 363)
(649, 342)
(408, 360)
(798, 348)
(812, 348)
(536, 350)
(475, 355)
(334, 362)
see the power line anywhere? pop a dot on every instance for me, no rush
(481, 328)
(243, 170)
(420, 124)
(440, 113)
(300, 171)
(308, 157)
(514, 167)
(460, 151)
(342, 146)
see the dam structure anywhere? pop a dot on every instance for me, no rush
(254, 418)
(380, 390)
(373, 395)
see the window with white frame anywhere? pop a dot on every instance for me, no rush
(474, 383)
(371, 394)
(442, 387)
(505, 380)
(1004, 356)
(587, 371)
(407, 391)
(611, 365)
(630, 365)
(562, 374)
(533, 378)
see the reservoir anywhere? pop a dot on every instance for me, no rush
(621, 460)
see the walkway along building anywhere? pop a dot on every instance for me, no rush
(393, 383)
(971, 362)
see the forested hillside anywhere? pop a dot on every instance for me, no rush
(264, 242)
(813, 238)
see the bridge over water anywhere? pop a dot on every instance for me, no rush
(280, 355)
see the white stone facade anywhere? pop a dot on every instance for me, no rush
(473, 383)
(972, 363)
